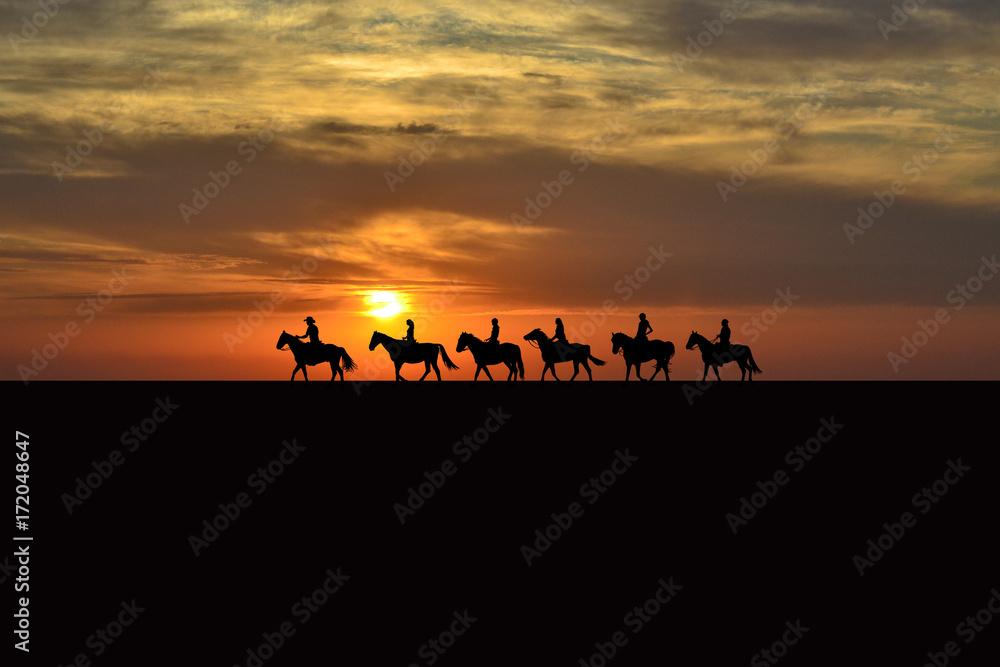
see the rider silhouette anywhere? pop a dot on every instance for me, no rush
(408, 339)
(494, 339)
(644, 328)
(312, 331)
(722, 349)
(560, 337)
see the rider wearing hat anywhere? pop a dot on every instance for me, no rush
(312, 331)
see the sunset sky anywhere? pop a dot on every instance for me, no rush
(180, 181)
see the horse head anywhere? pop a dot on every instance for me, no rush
(616, 342)
(374, 341)
(693, 340)
(535, 334)
(463, 342)
(283, 340)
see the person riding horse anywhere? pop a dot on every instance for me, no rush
(562, 344)
(408, 339)
(644, 328)
(312, 332)
(722, 348)
(494, 339)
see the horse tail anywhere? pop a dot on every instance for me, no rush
(444, 356)
(670, 353)
(751, 363)
(346, 362)
(597, 362)
(520, 364)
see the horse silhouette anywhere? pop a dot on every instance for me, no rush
(636, 353)
(739, 353)
(553, 353)
(413, 353)
(486, 355)
(307, 354)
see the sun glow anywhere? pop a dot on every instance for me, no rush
(384, 304)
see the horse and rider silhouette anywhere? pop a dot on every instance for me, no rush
(409, 351)
(557, 350)
(717, 355)
(491, 351)
(315, 352)
(639, 349)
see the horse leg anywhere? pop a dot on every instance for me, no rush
(638, 367)
(628, 370)
(297, 367)
(476, 376)
(576, 369)
(717, 376)
(552, 368)
(487, 371)
(705, 376)
(399, 378)
(305, 376)
(427, 371)
(590, 375)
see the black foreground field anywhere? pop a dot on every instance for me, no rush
(485, 524)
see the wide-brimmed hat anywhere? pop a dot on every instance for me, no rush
(309, 319)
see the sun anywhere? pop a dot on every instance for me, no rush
(384, 304)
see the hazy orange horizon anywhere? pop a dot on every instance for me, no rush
(180, 183)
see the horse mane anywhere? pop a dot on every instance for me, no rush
(472, 336)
